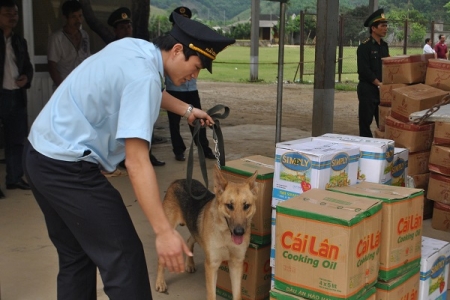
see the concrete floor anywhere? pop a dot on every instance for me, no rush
(28, 260)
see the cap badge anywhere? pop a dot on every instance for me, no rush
(124, 16)
(382, 15)
(182, 10)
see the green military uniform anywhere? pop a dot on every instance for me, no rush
(369, 56)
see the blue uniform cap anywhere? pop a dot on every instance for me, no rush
(200, 38)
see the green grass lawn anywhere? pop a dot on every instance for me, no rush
(233, 65)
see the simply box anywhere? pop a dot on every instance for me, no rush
(439, 161)
(421, 180)
(434, 269)
(400, 167)
(401, 233)
(418, 162)
(439, 188)
(301, 165)
(405, 68)
(256, 277)
(376, 159)
(438, 74)
(408, 135)
(413, 98)
(441, 133)
(327, 245)
(404, 287)
(240, 169)
(386, 94)
(441, 217)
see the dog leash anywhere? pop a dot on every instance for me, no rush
(219, 149)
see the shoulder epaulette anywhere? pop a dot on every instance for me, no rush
(366, 40)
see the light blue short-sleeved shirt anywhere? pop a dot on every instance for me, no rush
(113, 95)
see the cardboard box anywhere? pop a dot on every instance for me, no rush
(256, 277)
(439, 160)
(401, 233)
(441, 217)
(442, 133)
(408, 135)
(421, 180)
(279, 295)
(383, 112)
(378, 134)
(386, 94)
(238, 170)
(327, 245)
(403, 287)
(438, 74)
(400, 169)
(439, 188)
(405, 68)
(300, 166)
(272, 244)
(418, 162)
(413, 98)
(377, 155)
(434, 269)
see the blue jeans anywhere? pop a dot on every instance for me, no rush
(13, 115)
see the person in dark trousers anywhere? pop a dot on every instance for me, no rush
(104, 111)
(120, 20)
(16, 76)
(188, 93)
(369, 56)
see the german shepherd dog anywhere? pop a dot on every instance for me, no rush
(219, 223)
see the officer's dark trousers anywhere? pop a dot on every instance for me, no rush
(178, 145)
(13, 114)
(369, 99)
(90, 227)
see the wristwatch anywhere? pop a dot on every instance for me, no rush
(188, 111)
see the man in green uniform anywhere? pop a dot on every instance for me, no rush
(369, 56)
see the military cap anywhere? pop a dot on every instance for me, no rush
(181, 10)
(119, 15)
(377, 16)
(199, 38)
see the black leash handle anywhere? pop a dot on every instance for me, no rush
(215, 114)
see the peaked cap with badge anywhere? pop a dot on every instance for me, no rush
(376, 16)
(181, 10)
(121, 14)
(199, 38)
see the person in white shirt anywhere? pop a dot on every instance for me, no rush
(427, 48)
(69, 46)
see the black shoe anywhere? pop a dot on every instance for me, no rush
(19, 185)
(122, 164)
(2, 196)
(210, 155)
(180, 157)
(155, 162)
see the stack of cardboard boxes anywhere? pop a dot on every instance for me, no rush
(257, 272)
(407, 88)
(312, 223)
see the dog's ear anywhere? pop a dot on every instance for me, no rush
(251, 181)
(220, 183)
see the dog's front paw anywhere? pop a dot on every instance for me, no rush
(161, 285)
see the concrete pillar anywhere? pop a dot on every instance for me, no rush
(325, 66)
(254, 41)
